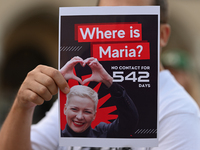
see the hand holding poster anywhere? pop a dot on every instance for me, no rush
(109, 56)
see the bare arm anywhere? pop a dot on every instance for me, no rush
(39, 86)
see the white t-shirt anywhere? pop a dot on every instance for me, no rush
(179, 121)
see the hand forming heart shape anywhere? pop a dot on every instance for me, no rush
(99, 74)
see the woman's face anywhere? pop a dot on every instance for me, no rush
(80, 113)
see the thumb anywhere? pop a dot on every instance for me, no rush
(87, 80)
(77, 79)
(66, 88)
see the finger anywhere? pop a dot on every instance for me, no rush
(57, 77)
(40, 90)
(77, 58)
(30, 96)
(73, 63)
(88, 60)
(93, 62)
(87, 80)
(48, 82)
(27, 97)
(77, 79)
(70, 64)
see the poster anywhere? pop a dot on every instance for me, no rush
(115, 52)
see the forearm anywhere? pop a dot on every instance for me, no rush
(15, 132)
(108, 81)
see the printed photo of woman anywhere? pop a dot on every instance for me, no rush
(81, 105)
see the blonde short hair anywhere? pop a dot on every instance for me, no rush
(83, 91)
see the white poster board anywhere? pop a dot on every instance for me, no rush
(125, 41)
